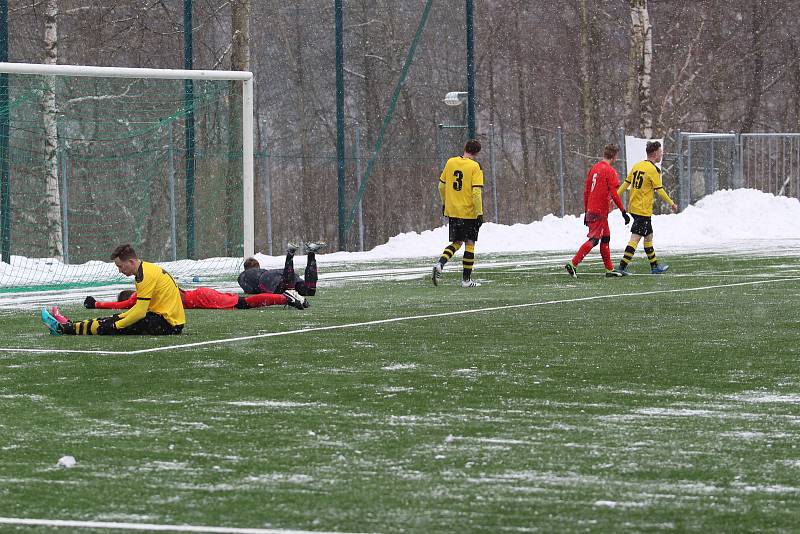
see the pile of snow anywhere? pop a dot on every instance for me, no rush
(744, 218)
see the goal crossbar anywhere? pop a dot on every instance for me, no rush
(245, 77)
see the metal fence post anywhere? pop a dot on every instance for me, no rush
(560, 138)
(494, 173)
(173, 226)
(267, 184)
(681, 175)
(357, 150)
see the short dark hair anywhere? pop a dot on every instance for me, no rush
(473, 146)
(652, 146)
(125, 294)
(610, 151)
(124, 252)
(251, 263)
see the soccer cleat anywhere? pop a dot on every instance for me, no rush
(295, 299)
(470, 283)
(314, 246)
(437, 273)
(291, 247)
(51, 323)
(613, 273)
(622, 272)
(571, 270)
(661, 269)
(57, 315)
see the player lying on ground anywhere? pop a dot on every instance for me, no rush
(254, 280)
(158, 310)
(205, 298)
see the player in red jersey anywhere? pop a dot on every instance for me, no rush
(205, 298)
(601, 182)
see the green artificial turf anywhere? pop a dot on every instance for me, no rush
(669, 409)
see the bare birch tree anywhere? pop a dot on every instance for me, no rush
(642, 55)
(55, 242)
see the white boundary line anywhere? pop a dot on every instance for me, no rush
(392, 320)
(150, 527)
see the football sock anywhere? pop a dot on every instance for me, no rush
(311, 275)
(582, 252)
(264, 299)
(468, 261)
(83, 328)
(630, 250)
(651, 254)
(287, 278)
(448, 252)
(605, 253)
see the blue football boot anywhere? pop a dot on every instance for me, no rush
(51, 323)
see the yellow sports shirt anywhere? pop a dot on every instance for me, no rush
(644, 180)
(156, 292)
(461, 186)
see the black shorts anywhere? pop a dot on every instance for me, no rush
(464, 229)
(641, 225)
(152, 324)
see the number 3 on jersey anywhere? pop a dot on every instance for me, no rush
(458, 184)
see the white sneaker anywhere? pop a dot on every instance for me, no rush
(470, 283)
(314, 246)
(437, 273)
(295, 299)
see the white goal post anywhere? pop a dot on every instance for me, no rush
(175, 74)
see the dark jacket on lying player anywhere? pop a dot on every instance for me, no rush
(254, 279)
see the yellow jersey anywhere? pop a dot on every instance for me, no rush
(156, 292)
(644, 180)
(461, 188)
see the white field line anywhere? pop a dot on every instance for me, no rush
(394, 320)
(149, 527)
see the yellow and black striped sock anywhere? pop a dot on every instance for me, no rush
(84, 328)
(468, 261)
(451, 249)
(651, 254)
(630, 250)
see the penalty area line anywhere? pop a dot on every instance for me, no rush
(399, 319)
(110, 525)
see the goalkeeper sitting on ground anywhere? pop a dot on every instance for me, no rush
(158, 309)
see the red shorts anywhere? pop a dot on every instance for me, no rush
(598, 226)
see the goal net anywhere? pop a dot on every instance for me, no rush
(94, 157)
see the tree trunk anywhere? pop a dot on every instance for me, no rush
(645, 69)
(522, 98)
(586, 96)
(55, 242)
(634, 60)
(756, 71)
(240, 60)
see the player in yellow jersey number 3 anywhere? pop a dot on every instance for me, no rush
(461, 190)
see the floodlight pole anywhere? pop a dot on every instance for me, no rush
(340, 153)
(470, 72)
(188, 89)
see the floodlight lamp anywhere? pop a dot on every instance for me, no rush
(455, 98)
